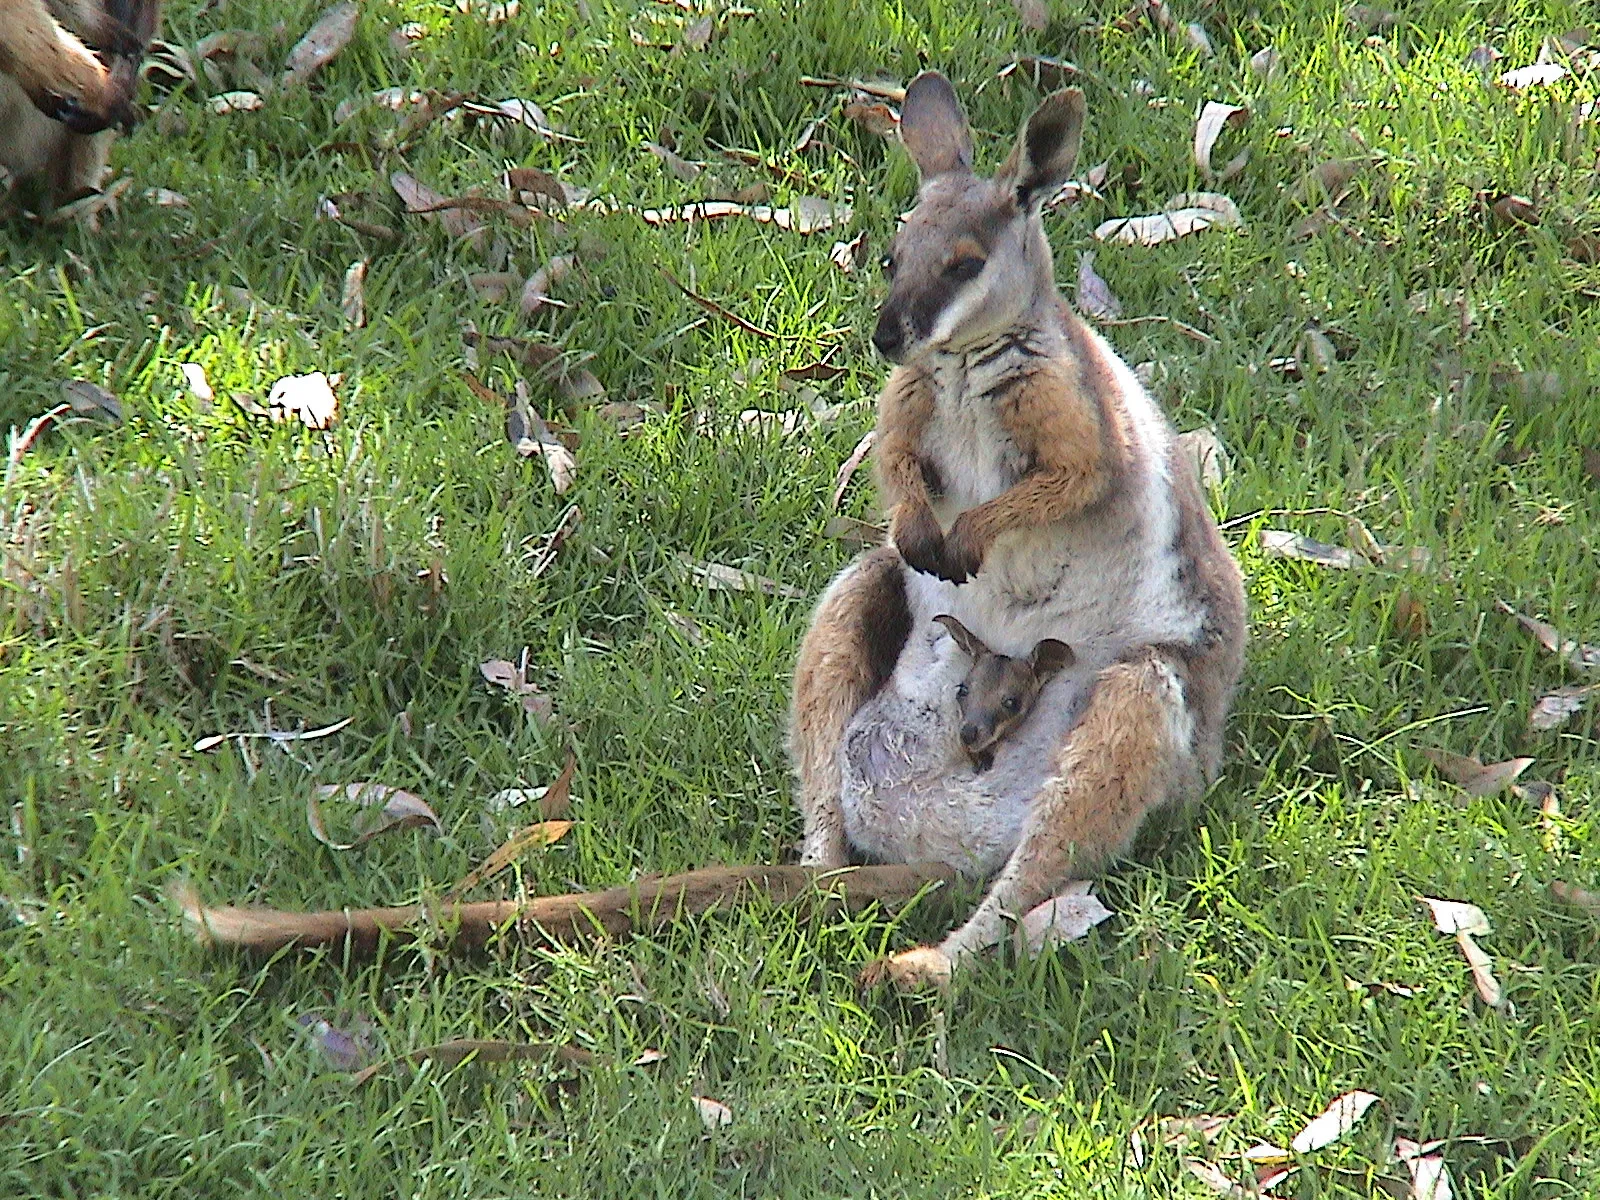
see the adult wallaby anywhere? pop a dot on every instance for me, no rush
(68, 71)
(1034, 492)
(999, 691)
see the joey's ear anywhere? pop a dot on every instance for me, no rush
(933, 127)
(1046, 149)
(1049, 657)
(965, 638)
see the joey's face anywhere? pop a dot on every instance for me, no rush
(965, 267)
(995, 697)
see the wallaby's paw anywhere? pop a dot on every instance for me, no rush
(916, 534)
(963, 556)
(920, 969)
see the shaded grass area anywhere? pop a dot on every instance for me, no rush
(173, 577)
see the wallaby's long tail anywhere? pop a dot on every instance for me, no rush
(642, 906)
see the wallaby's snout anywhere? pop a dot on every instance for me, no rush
(889, 338)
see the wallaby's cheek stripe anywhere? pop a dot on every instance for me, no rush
(927, 306)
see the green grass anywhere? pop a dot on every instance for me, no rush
(145, 563)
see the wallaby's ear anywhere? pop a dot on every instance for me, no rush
(965, 638)
(1050, 656)
(1046, 149)
(933, 127)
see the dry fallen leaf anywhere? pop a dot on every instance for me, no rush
(194, 376)
(1409, 617)
(381, 810)
(1577, 655)
(681, 168)
(1578, 897)
(1190, 212)
(92, 400)
(1430, 1178)
(1554, 709)
(714, 1113)
(1213, 1177)
(514, 678)
(1482, 969)
(853, 532)
(534, 437)
(1095, 296)
(805, 214)
(877, 119)
(1063, 918)
(234, 102)
(353, 297)
(1466, 921)
(1472, 776)
(1537, 75)
(1214, 118)
(1266, 61)
(697, 34)
(841, 479)
(847, 255)
(1205, 451)
(544, 833)
(421, 199)
(1510, 210)
(536, 291)
(322, 43)
(454, 1053)
(212, 741)
(1045, 73)
(720, 578)
(649, 1057)
(1338, 1119)
(1280, 543)
(309, 398)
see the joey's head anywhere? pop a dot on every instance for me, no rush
(999, 691)
(971, 260)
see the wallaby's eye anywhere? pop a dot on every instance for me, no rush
(961, 691)
(887, 263)
(965, 268)
(1011, 704)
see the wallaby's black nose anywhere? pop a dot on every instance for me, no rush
(889, 337)
(969, 734)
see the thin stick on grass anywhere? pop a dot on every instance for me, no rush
(711, 306)
(640, 907)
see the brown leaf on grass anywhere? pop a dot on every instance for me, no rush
(1032, 13)
(403, 39)
(1508, 209)
(1584, 248)
(419, 198)
(1187, 213)
(1536, 75)
(353, 295)
(816, 372)
(514, 678)
(1482, 968)
(308, 398)
(1430, 1178)
(91, 400)
(1379, 987)
(1062, 918)
(536, 291)
(1281, 543)
(1095, 296)
(1474, 777)
(529, 435)
(1184, 1131)
(1591, 463)
(381, 809)
(454, 1053)
(1554, 709)
(1329, 179)
(1371, 19)
(1579, 656)
(1214, 118)
(322, 43)
(1456, 916)
(877, 119)
(805, 214)
(1408, 619)
(718, 577)
(713, 1113)
(681, 168)
(847, 255)
(493, 287)
(841, 479)
(224, 103)
(1338, 1119)
(544, 833)
(1578, 897)
(894, 93)
(1045, 73)
(535, 183)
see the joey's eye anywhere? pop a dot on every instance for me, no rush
(964, 268)
(961, 691)
(1011, 704)
(887, 263)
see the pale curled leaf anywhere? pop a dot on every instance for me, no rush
(1456, 916)
(713, 1113)
(381, 809)
(308, 398)
(1338, 1119)
(353, 296)
(1482, 969)
(454, 1053)
(805, 214)
(1536, 75)
(1095, 296)
(1554, 709)
(847, 469)
(1206, 452)
(544, 833)
(234, 102)
(322, 43)
(1214, 118)
(1032, 13)
(847, 255)
(1187, 213)
(719, 577)
(1281, 543)
(272, 735)
(1577, 655)
(537, 289)
(1214, 1178)
(1474, 777)
(681, 168)
(432, 205)
(1063, 918)
(877, 119)
(1430, 1178)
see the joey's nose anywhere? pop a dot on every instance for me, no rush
(970, 734)
(889, 337)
